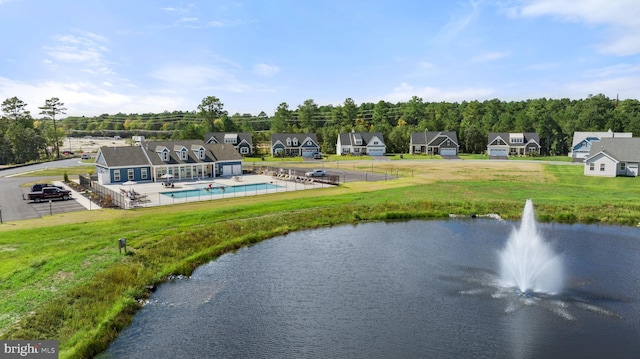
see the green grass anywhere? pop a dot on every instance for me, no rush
(61, 277)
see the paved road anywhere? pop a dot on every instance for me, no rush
(14, 208)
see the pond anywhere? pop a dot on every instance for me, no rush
(397, 290)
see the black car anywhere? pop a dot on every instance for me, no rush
(39, 186)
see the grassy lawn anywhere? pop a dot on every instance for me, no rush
(63, 278)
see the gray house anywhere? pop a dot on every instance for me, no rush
(582, 142)
(444, 143)
(612, 157)
(154, 160)
(505, 144)
(361, 143)
(242, 141)
(294, 144)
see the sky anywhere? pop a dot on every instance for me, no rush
(142, 56)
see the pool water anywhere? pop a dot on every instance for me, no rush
(217, 189)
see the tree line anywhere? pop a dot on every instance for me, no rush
(555, 120)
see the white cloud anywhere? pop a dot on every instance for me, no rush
(620, 17)
(459, 21)
(265, 70)
(87, 99)
(405, 92)
(87, 49)
(488, 56)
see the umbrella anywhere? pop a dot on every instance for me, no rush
(167, 176)
(129, 183)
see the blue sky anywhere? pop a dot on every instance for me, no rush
(138, 56)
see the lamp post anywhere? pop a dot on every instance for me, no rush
(0, 214)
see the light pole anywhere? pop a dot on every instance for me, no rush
(0, 214)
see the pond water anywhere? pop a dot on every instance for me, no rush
(397, 290)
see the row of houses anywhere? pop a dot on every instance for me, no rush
(444, 143)
(221, 154)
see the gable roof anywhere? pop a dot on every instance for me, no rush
(622, 149)
(125, 156)
(349, 138)
(218, 137)
(223, 152)
(282, 137)
(151, 149)
(578, 137)
(508, 136)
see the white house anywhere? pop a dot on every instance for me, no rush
(361, 143)
(612, 157)
(582, 142)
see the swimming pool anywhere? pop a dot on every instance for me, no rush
(217, 189)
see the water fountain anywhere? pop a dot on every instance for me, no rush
(527, 262)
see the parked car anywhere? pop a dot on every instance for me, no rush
(67, 153)
(317, 156)
(86, 156)
(39, 186)
(49, 193)
(316, 173)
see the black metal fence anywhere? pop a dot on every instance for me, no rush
(108, 197)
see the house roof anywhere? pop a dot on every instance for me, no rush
(124, 156)
(508, 136)
(581, 136)
(151, 149)
(350, 137)
(223, 152)
(622, 149)
(433, 138)
(220, 136)
(282, 137)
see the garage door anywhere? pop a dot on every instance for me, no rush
(308, 152)
(497, 152)
(448, 152)
(231, 170)
(376, 152)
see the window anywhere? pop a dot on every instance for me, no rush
(130, 174)
(244, 150)
(143, 173)
(591, 166)
(295, 141)
(201, 154)
(116, 176)
(288, 142)
(448, 143)
(183, 154)
(602, 167)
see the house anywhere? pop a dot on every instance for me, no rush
(122, 164)
(612, 157)
(361, 143)
(154, 160)
(582, 142)
(505, 144)
(242, 141)
(444, 143)
(294, 144)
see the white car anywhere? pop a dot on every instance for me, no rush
(316, 173)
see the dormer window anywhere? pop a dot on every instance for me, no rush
(295, 141)
(198, 152)
(231, 138)
(163, 153)
(288, 141)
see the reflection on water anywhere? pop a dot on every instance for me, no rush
(410, 289)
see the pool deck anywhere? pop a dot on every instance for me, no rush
(151, 193)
